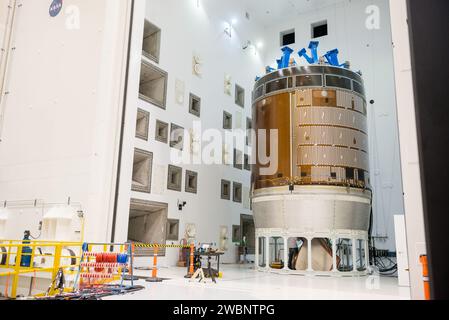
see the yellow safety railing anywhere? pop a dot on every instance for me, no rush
(52, 259)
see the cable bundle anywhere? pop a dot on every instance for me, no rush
(105, 258)
(101, 265)
(98, 267)
(96, 276)
(122, 258)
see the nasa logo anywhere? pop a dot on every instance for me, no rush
(55, 8)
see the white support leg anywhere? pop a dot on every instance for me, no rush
(354, 255)
(256, 258)
(286, 253)
(334, 255)
(309, 255)
(267, 253)
(367, 255)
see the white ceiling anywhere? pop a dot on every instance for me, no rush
(269, 12)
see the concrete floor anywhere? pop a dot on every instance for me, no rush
(243, 283)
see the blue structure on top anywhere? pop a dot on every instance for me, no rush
(313, 46)
(287, 51)
(332, 58)
(279, 62)
(284, 62)
(269, 69)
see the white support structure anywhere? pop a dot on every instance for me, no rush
(353, 236)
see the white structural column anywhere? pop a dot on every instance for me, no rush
(256, 256)
(366, 254)
(354, 255)
(334, 255)
(309, 254)
(286, 253)
(267, 253)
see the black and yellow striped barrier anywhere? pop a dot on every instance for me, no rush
(156, 248)
(148, 245)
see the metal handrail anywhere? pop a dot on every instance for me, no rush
(15, 252)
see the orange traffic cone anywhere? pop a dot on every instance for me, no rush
(425, 274)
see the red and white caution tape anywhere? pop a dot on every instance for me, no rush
(96, 276)
(103, 265)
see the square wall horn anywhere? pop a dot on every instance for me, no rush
(142, 124)
(195, 105)
(225, 190)
(172, 229)
(239, 96)
(174, 179)
(191, 182)
(151, 41)
(238, 159)
(161, 131)
(142, 171)
(247, 164)
(227, 120)
(249, 127)
(153, 85)
(237, 192)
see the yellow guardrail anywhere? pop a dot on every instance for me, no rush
(18, 265)
(22, 258)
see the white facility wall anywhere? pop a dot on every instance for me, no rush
(3, 20)
(188, 29)
(62, 115)
(371, 52)
(5, 24)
